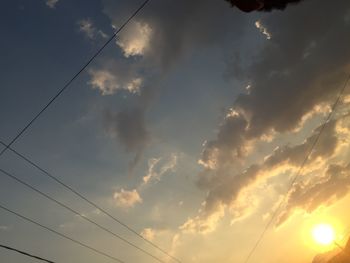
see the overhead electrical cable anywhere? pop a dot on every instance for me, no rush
(83, 197)
(298, 174)
(60, 234)
(15, 178)
(25, 254)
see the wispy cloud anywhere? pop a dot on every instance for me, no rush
(157, 169)
(109, 83)
(263, 29)
(51, 3)
(88, 28)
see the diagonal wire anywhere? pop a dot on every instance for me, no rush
(60, 234)
(58, 94)
(298, 174)
(15, 178)
(99, 208)
(26, 254)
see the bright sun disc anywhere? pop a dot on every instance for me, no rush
(323, 234)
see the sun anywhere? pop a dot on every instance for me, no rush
(323, 234)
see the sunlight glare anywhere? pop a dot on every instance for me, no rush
(323, 234)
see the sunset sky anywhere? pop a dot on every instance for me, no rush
(189, 127)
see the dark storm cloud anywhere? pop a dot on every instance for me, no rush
(299, 71)
(300, 68)
(130, 129)
(303, 65)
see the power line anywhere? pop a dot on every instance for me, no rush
(99, 208)
(15, 178)
(341, 92)
(26, 254)
(60, 234)
(73, 78)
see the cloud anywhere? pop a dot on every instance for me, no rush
(157, 39)
(308, 196)
(156, 169)
(161, 37)
(148, 233)
(51, 3)
(203, 225)
(298, 83)
(135, 39)
(263, 29)
(301, 86)
(227, 189)
(293, 77)
(165, 236)
(278, 4)
(127, 199)
(87, 27)
(129, 127)
(109, 83)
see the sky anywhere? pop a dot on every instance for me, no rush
(189, 127)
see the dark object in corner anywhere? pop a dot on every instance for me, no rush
(261, 5)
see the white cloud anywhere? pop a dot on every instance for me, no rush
(51, 3)
(148, 233)
(156, 170)
(263, 29)
(203, 224)
(135, 39)
(126, 198)
(109, 83)
(87, 27)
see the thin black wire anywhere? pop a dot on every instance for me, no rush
(73, 78)
(71, 189)
(26, 254)
(13, 177)
(298, 174)
(60, 234)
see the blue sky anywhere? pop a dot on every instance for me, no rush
(188, 127)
